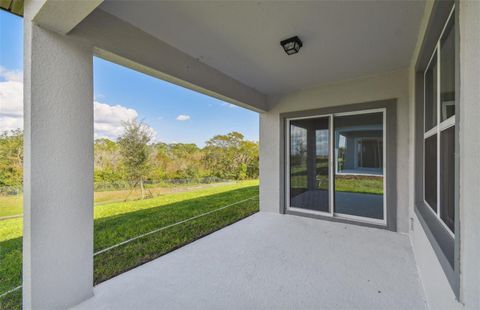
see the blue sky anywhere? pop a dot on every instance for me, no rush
(175, 113)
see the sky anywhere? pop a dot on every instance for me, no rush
(176, 114)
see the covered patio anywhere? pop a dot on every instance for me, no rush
(273, 261)
(363, 62)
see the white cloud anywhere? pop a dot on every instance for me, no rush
(11, 75)
(183, 117)
(108, 118)
(226, 104)
(11, 100)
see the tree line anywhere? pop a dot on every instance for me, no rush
(134, 158)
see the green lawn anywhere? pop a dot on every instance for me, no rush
(12, 205)
(344, 183)
(117, 222)
(359, 184)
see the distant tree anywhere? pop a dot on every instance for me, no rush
(133, 159)
(11, 158)
(107, 161)
(188, 160)
(231, 157)
(249, 159)
(135, 151)
(160, 159)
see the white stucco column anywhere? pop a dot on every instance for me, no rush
(270, 170)
(58, 172)
(469, 141)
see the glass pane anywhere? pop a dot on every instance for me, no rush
(431, 95)
(447, 177)
(447, 71)
(359, 165)
(309, 164)
(431, 171)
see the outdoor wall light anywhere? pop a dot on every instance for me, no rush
(291, 45)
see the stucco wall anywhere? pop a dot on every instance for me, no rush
(58, 178)
(437, 289)
(393, 85)
(469, 116)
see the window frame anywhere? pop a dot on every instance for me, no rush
(332, 161)
(440, 125)
(359, 140)
(388, 107)
(330, 213)
(445, 246)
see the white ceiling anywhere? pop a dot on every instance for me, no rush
(341, 39)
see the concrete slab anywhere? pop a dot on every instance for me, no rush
(273, 261)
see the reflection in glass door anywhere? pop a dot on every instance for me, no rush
(309, 164)
(359, 165)
(335, 165)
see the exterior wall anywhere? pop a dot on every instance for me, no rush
(58, 179)
(438, 291)
(393, 85)
(469, 129)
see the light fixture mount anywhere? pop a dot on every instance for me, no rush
(291, 45)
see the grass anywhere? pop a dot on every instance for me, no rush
(12, 205)
(117, 222)
(344, 183)
(12, 302)
(359, 184)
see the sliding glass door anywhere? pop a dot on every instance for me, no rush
(309, 164)
(359, 165)
(335, 165)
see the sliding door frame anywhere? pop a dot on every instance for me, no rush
(332, 165)
(287, 166)
(388, 109)
(382, 222)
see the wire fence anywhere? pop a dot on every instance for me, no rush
(10, 291)
(126, 185)
(150, 233)
(169, 226)
(11, 190)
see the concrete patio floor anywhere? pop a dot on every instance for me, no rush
(273, 261)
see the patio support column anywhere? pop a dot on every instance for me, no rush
(58, 169)
(469, 148)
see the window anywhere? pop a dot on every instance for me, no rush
(431, 172)
(431, 94)
(439, 129)
(369, 153)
